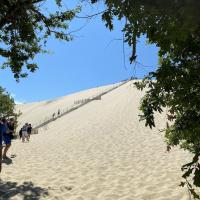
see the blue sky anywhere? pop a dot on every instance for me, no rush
(94, 58)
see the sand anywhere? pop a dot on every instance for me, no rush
(98, 152)
(38, 112)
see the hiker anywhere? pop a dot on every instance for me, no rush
(6, 138)
(29, 130)
(24, 133)
(58, 112)
(20, 133)
(53, 115)
(11, 128)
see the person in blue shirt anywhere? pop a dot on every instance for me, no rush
(6, 138)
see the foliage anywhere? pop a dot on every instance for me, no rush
(174, 26)
(24, 29)
(7, 105)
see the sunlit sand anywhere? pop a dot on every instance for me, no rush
(98, 152)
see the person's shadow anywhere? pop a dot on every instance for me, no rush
(7, 161)
(27, 191)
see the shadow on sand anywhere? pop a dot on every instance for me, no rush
(26, 191)
(7, 161)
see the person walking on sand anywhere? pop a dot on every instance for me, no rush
(24, 132)
(29, 130)
(58, 112)
(20, 133)
(6, 138)
(11, 128)
(53, 116)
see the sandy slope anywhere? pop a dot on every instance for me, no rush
(38, 112)
(98, 152)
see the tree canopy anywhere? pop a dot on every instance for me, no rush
(7, 104)
(24, 29)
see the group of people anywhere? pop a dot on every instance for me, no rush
(54, 114)
(7, 130)
(25, 132)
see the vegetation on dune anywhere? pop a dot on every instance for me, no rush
(7, 105)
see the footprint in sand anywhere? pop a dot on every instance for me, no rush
(68, 188)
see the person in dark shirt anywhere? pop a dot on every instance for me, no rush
(20, 133)
(29, 129)
(11, 128)
(6, 138)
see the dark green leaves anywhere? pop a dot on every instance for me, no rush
(24, 29)
(7, 104)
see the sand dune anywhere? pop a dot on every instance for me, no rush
(38, 112)
(98, 152)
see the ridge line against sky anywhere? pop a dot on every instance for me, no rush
(94, 58)
(75, 92)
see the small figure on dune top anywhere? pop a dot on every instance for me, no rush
(53, 115)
